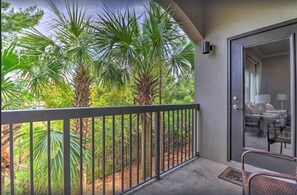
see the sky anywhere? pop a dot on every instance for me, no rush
(91, 6)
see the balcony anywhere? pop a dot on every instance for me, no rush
(105, 150)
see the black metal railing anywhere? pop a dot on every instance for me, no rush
(104, 150)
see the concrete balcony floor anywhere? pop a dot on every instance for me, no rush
(199, 176)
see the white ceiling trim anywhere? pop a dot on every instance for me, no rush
(258, 51)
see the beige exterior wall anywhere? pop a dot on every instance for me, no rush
(223, 19)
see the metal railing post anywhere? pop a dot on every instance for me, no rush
(1, 188)
(11, 145)
(197, 132)
(66, 154)
(157, 145)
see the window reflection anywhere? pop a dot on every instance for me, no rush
(267, 97)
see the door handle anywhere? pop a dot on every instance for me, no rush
(235, 107)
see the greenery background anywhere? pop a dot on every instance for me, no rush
(32, 77)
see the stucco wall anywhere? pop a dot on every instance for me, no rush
(223, 19)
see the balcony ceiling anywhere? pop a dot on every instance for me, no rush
(189, 14)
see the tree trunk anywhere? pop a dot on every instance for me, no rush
(82, 82)
(160, 84)
(146, 85)
(146, 146)
(161, 119)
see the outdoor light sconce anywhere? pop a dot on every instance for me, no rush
(206, 47)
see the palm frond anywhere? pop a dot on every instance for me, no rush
(182, 60)
(11, 64)
(115, 35)
(40, 144)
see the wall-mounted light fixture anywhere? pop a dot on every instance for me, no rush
(206, 47)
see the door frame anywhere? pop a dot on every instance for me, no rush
(229, 91)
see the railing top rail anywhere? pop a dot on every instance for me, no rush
(23, 116)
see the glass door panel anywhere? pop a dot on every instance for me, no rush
(267, 85)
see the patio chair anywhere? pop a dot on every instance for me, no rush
(283, 136)
(268, 183)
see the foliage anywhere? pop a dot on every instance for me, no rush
(69, 54)
(142, 49)
(83, 63)
(13, 92)
(56, 97)
(14, 21)
(179, 91)
(40, 151)
(103, 96)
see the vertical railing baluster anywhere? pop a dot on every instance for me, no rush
(93, 156)
(103, 156)
(144, 149)
(11, 136)
(157, 145)
(189, 134)
(196, 132)
(177, 130)
(163, 141)
(182, 135)
(66, 154)
(192, 133)
(138, 147)
(113, 154)
(31, 160)
(151, 144)
(130, 153)
(49, 178)
(123, 145)
(186, 125)
(1, 190)
(81, 155)
(168, 139)
(172, 138)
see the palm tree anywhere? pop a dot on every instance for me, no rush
(68, 57)
(144, 50)
(172, 52)
(70, 53)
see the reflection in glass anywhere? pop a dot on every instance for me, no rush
(267, 96)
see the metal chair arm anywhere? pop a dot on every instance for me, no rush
(266, 153)
(271, 174)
